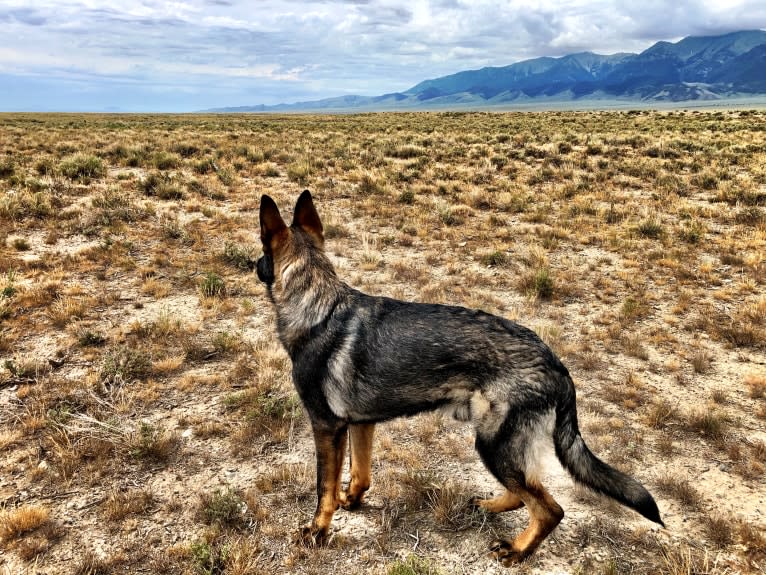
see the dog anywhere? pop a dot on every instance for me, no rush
(358, 360)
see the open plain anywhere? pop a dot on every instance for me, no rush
(148, 423)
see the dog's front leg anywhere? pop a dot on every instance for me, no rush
(361, 464)
(330, 443)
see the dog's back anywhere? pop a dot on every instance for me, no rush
(386, 358)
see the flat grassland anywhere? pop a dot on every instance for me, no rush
(147, 418)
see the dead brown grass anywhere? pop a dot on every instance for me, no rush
(138, 348)
(16, 522)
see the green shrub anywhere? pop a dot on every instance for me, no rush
(124, 364)
(538, 283)
(7, 167)
(161, 185)
(205, 166)
(241, 257)
(692, 233)
(370, 185)
(299, 172)
(166, 161)
(226, 176)
(650, 228)
(405, 152)
(212, 285)
(407, 197)
(495, 259)
(222, 508)
(82, 167)
(412, 565)
(152, 444)
(185, 149)
(21, 244)
(45, 167)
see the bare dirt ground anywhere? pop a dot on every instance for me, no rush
(147, 419)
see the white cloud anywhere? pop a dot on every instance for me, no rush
(321, 48)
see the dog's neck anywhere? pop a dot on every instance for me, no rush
(305, 293)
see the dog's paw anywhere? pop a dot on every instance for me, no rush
(350, 501)
(503, 552)
(311, 536)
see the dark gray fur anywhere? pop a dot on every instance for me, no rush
(363, 359)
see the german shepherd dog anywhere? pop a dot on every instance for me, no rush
(359, 360)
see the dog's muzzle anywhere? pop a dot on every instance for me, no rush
(265, 269)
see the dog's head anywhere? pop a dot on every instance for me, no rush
(283, 245)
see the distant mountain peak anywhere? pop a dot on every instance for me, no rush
(695, 67)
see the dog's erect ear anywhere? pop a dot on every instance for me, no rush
(273, 227)
(307, 218)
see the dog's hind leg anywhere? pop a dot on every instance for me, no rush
(330, 444)
(508, 501)
(544, 515)
(361, 464)
(511, 455)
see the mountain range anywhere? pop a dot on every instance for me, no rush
(695, 68)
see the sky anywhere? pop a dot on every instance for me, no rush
(180, 56)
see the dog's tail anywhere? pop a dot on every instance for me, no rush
(588, 469)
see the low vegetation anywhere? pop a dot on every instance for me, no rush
(147, 416)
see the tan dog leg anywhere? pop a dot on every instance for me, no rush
(544, 515)
(330, 450)
(361, 464)
(506, 502)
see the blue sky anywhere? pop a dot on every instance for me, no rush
(189, 55)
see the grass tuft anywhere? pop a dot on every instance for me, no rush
(212, 285)
(241, 257)
(16, 522)
(496, 258)
(412, 565)
(538, 283)
(124, 365)
(680, 489)
(224, 508)
(82, 167)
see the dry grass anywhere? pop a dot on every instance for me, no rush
(137, 348)
(680, 489)
(756, 385)
(16, 522)
(121, 504)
